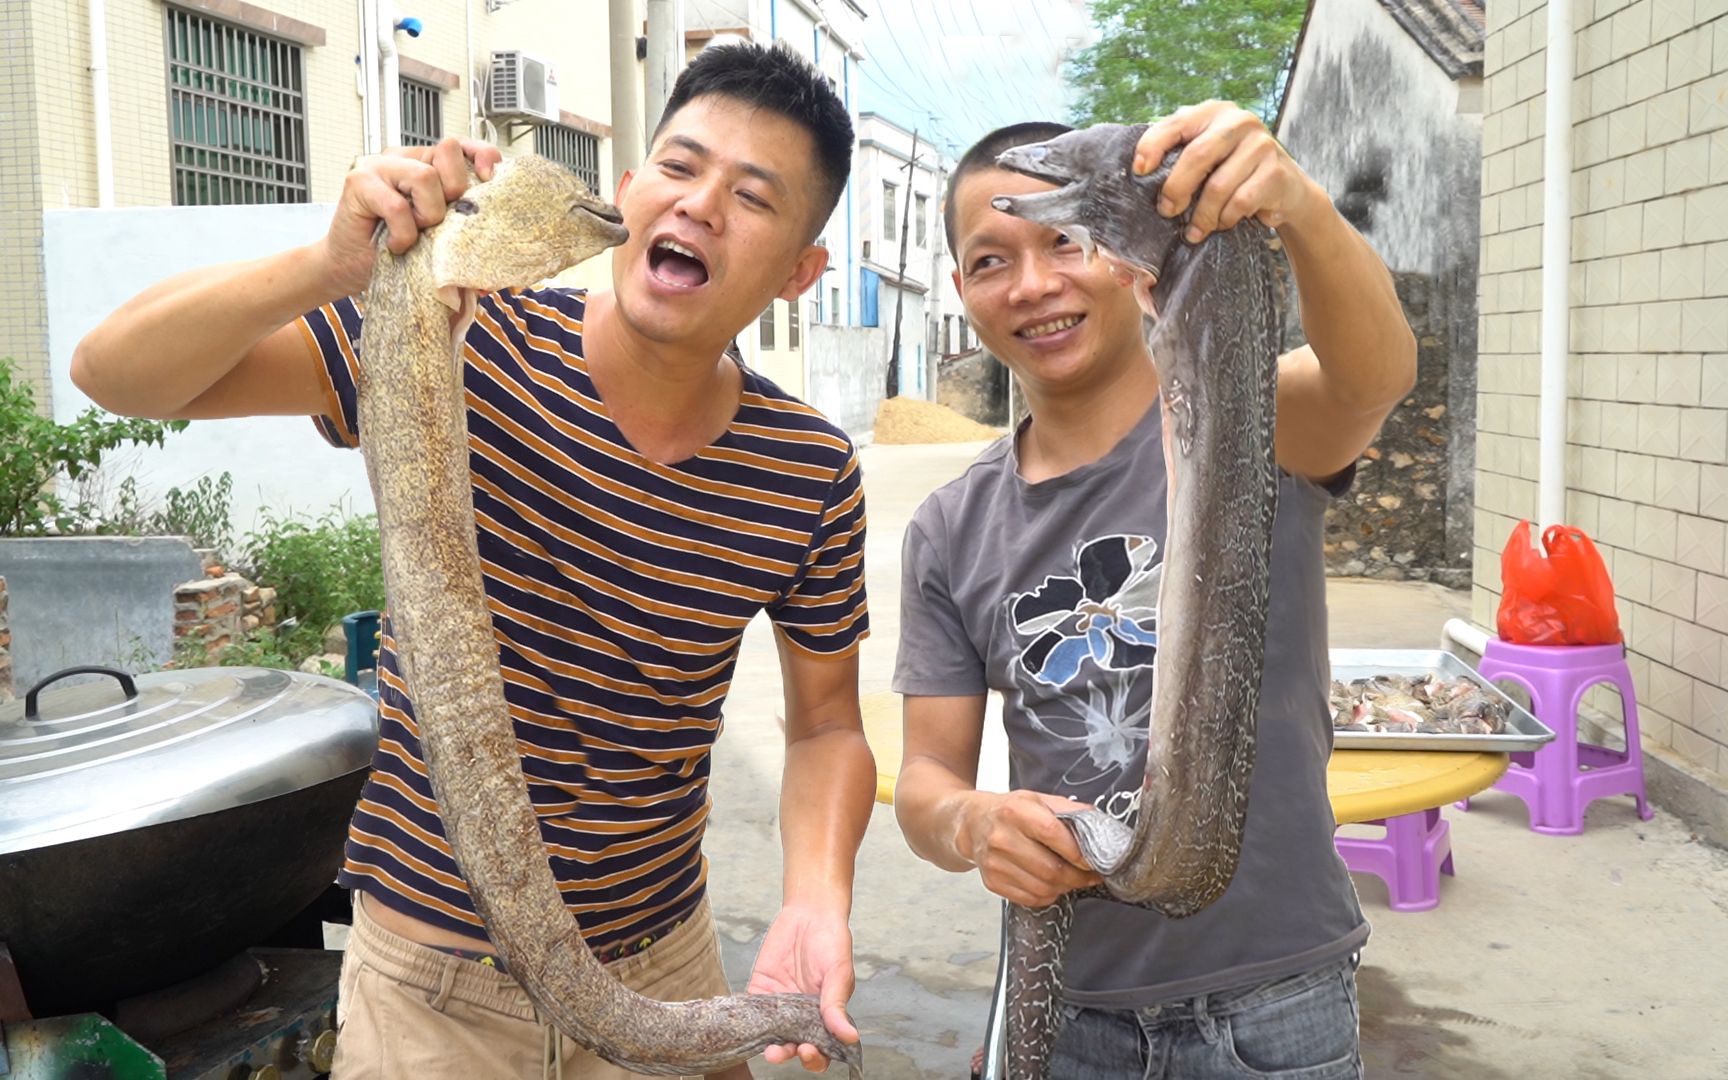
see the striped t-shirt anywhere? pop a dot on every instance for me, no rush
(620, 589)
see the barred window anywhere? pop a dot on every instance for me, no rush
(237, 103)
(765, 326)
(888, 232)
(422, 113)
(576, 150)
(922, 215)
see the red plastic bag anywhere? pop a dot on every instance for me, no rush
(1564, 598)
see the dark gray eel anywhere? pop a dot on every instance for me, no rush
(1212, 329)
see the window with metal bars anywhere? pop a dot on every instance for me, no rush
(237, 105)
(576, 150)
(422, 113)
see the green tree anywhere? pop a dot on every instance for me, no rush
(1154, 56)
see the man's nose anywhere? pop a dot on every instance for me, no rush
(1036, 279)
(701, 201)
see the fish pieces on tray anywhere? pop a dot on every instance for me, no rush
(1429, 704)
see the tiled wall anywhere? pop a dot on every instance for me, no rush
(1648, 453)
(23, 310)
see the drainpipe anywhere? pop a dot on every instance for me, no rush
(1556, 265)
(389, 85)
(367, 75)
(99, 96)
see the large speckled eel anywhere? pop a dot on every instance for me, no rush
(1212, 329)
(531, 220)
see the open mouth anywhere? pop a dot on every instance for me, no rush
(674, 264)
(1046, 329)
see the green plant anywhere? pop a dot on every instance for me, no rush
(36, 452)
(201, 512)
(321, 570)
(262, 647)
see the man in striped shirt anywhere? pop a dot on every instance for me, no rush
(639, 498)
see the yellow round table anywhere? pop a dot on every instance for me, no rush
(1364, 785)
(1371, 785)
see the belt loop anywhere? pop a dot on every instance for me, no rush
(1203, 1019)
(446, 985)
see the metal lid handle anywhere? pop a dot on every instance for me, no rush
(126, 684)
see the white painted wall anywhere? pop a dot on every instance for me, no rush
(96, 259)
(1366, 98)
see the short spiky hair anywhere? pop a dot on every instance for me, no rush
(777, 78)
(983, 156)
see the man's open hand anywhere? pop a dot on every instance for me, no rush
(808, 952)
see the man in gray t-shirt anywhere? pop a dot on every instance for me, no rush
(1036, 575)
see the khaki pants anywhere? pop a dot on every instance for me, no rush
(405, 1010)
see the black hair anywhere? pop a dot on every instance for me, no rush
(777, 78)
(983, 156)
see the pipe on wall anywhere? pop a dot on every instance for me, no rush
(367, 63)
(98, 13)
(1556, 267)
(389, 81)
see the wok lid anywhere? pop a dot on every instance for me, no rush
(122, 753)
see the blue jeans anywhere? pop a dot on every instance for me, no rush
(1304, 1027)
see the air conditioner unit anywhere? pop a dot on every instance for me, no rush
(523, 87)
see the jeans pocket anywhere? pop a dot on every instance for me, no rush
(1311, 1035)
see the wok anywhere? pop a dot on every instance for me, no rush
(150, 828)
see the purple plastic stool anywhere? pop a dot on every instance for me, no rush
(1560, 780)
(1416, 849)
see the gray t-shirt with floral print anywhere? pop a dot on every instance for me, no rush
(1048, 593)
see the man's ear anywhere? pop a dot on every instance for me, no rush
(623, 186)
(958, 288)
(811, 262)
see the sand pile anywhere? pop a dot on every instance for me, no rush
(903, 420)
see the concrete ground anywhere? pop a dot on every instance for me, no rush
(1601, 955)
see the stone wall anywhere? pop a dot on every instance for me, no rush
(975, 385)
(1405, 518)
(6, 693)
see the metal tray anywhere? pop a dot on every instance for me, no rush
(1524, 731)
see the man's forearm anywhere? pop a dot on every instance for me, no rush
(825, 800)
(1350, 309)
(930, 805)
(162, 349)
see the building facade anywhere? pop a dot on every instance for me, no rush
(147, 103)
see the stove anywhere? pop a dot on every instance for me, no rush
(267, 1014)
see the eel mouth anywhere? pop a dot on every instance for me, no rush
(608, 221)
(1034, 160)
